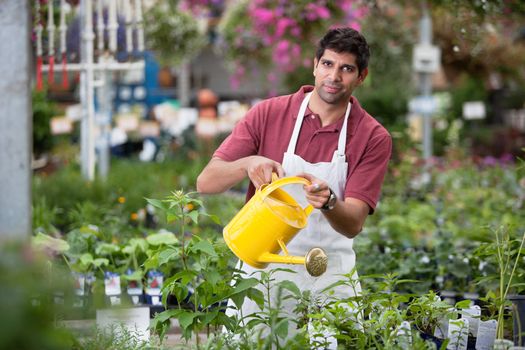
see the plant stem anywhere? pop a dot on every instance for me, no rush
(515, 265)
(182, 239)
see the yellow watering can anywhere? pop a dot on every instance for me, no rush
(266, 223)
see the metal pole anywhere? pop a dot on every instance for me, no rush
(183, 84)
(426, 86)
(88, 102)
(104, 119)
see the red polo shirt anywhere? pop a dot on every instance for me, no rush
(267, 127)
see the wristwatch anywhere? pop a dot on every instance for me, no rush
(330, 203)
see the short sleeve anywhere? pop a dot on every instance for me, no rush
(365, 181)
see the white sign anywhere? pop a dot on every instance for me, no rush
(426, 58)
(134, 320)
(474, 110)
(61, 125)
(422, 105)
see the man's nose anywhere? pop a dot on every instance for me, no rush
(335, 74)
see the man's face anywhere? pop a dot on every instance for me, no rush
(336, 76)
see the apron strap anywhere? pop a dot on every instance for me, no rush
(298, 123)
(341, 145)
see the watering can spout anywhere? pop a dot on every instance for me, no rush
(315, 261)
(281, 259)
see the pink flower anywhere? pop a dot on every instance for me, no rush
(282, 25)
(316, 11)
(262, 15)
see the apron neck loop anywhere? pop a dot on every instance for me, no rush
(341, 145)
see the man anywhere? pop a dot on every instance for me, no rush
(323, 134)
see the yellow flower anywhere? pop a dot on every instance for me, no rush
(122, 200)
(134, 216)
(190, 207)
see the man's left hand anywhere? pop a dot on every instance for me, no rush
(318, 192)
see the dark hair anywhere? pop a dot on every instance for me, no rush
(345, 40)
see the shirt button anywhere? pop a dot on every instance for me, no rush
(313, 116)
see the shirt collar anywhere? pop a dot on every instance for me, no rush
(356, 113)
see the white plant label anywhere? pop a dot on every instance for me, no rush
(404, 335)
(486, 334)
(472, 314)
(458, 334)
(112, 284)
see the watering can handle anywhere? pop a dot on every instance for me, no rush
(279, 182)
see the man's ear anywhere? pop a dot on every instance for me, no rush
(315, 64)
(363, 75)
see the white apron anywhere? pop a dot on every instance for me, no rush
(318, 232)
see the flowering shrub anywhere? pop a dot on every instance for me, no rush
(279, 35)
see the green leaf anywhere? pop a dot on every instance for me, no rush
(135, 276)
(152, 262)
(167, 255)
(100, 262)
(185, 276)
(215, 219)
(157, 239)
(213, 277)
(463, 304)
(44, 241)
(172, 216)
(205, 247)
(194, 216)
(106, 249)
(166, 315)
(208, 317)
(282, 329)
(156, 203)
(86, 259)
(186, 318)
(290, 286)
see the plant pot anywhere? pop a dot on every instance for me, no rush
(429, 337)
(518, 316)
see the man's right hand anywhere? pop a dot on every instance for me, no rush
(259, 169)
(220, 175)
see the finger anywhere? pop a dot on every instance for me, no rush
(280, 170)
(266, 176)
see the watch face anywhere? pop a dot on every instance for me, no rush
(330, 204)
(332, 200)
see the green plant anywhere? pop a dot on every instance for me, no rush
(203, 281)
(173, 33)
(43, 110)
(29, 284)
(505, 252)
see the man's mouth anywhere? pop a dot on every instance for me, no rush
(332, 89)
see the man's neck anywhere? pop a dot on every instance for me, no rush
(328, 113)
